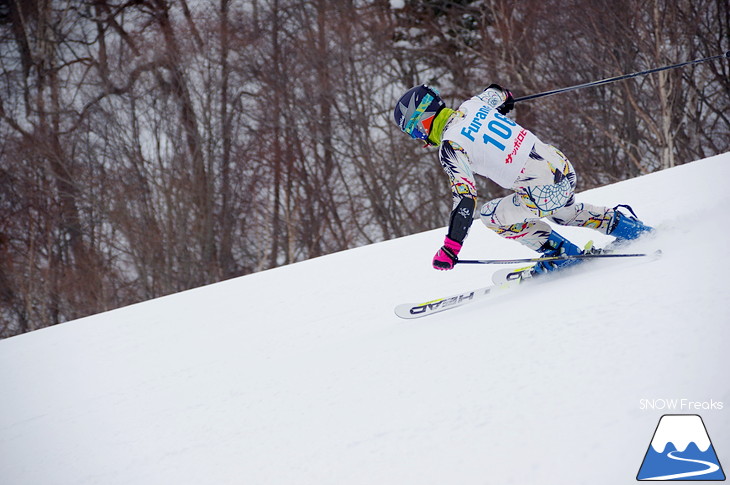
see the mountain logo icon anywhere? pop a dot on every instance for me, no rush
(681, 450)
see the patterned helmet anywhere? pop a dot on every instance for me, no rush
(416, 110)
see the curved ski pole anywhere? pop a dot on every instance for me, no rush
(560, 258)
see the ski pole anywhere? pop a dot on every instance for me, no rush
(619, 78)
(559, 258)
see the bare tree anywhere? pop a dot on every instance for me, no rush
(151, 146)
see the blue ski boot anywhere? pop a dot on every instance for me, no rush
(626, 228)
(556, 245)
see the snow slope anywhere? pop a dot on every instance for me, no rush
(303, 375)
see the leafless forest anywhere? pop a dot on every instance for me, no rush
(151, 146)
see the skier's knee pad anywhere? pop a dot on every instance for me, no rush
(532, 234)
(505, 211)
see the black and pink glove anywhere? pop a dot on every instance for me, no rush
(446, 257)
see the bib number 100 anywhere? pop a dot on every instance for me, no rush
(498, 130)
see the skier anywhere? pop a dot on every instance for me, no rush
(479, 138)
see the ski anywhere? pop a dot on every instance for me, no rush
(511, 274)
(502, 280)
(418, 310)
(520, 274)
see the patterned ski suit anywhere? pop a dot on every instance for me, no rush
(477, 139)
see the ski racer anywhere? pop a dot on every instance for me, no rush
(478, 138)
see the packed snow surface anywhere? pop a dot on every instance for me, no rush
(304, 375)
